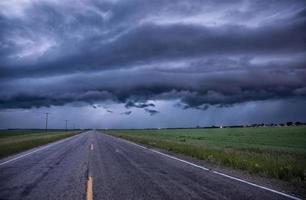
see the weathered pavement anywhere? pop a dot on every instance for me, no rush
(118, 170)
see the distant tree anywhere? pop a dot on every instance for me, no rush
(298, 123)
(289, 123)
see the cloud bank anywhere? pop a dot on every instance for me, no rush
(201, 53)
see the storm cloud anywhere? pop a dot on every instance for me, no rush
(200, 53)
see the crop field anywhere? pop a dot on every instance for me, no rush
(14, 141)
(278, 152)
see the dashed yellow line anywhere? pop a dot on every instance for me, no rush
(89, 195)
(91, 147)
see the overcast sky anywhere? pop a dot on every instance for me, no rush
(136, 64)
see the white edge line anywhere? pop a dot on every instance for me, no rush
(212, 171)
(39, 149)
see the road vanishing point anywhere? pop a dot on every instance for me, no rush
(93, 165)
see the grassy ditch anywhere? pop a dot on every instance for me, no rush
(278, 152)
(12, 142)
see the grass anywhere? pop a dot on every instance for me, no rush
(15, 141)
(278, 152)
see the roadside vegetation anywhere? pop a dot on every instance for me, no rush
(15, 141)
(278, 152)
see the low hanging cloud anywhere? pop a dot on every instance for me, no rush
(194, 90)
(126, 113)
(136, 52)
(130, 104)
(151, 111)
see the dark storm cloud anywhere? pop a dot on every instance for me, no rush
(126, 113)
(200, 52)
(146, 106)
(192, 89)
(130, 104)
(151, 111)
(156, 43)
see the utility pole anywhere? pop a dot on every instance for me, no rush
(73, 126)
(46, 128)
(66, 124)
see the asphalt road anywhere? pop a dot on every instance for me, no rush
(118, 170)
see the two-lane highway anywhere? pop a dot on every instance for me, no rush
(97, 166)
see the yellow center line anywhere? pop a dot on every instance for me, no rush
(89, 188)
(91, 147)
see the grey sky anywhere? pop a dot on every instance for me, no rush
(152, 63)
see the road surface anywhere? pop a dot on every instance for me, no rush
(93, 165)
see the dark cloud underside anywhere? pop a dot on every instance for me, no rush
(198, 52)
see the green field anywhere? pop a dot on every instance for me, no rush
(278, 152)
(14, 141)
